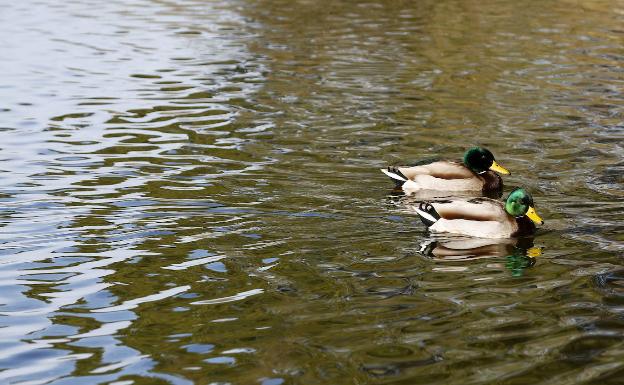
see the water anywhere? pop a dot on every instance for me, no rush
(190, 194)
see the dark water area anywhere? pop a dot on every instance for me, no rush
(190, 192)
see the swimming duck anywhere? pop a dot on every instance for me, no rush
(475, 174)
(482, 217)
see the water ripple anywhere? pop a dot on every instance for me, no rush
(189, 192)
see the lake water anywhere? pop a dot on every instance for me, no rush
(190, 193)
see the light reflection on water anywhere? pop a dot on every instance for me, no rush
(189, 192)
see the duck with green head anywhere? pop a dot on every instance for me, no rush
(482, 217)
(477, 173)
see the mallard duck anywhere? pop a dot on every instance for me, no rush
(475, 174)
(482, 217)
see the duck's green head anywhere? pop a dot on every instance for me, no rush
(520, 203)
(480, 159)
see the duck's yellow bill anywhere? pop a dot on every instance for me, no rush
(499, 169)
(533, 216)
(534, 252)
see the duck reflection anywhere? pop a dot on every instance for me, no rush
(519, 253)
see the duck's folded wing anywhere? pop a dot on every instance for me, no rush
(479, 209)
(440, 169)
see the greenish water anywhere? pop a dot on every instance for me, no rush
(190, 193)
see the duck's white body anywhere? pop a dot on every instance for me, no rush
(443, 176)
(480, 217)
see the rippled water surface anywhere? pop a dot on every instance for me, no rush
(190, 193)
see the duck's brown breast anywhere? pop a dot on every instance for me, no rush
(492, 184)
(525, 227)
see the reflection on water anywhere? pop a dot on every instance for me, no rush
(518, 253)
(190, 194)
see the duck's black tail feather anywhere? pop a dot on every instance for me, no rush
(396, 175)
(427, 213)
(427, 247)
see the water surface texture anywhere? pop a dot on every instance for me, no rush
(190, 193)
